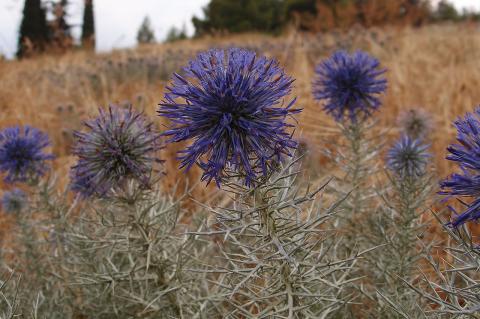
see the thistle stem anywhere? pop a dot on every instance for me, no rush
(355, 137)
(270, 232)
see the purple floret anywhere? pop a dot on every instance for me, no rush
(408, 157)
(349, 85)
(466, 154)
(22, 154)
(231, 105)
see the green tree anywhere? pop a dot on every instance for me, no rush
(33, 35)
(446, 11)
(301, 6)
(88, 27)
(175, 34)
(241, 16)
(145, 33)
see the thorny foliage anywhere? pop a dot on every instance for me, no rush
(106, 259)
(385, 219)
(398, 225)
(31, 264)
(276, 254)
(354, 157)
(127, 259)
(454, 289)
(9, 296)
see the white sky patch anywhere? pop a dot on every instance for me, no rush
(117, 21)
(120, 28)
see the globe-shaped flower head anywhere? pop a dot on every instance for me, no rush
(230, 105)
(466, 155)
(22, 156)
(408, 157)
(119, 145)
(349, 85)
(14, 201)
(416, 123)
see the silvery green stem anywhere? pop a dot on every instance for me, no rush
(355, 153)
(398, 224)
(277, 256)
(30, 258)
(355, 135)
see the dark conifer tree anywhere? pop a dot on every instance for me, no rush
(61, 15)
(33, 35)
(145, 33)
(60, 34)
(88, 27)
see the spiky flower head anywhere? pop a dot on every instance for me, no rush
(349, 85)
(119, 145)
(408, 157)
(22, 154)
(14, 201)
(466, 154)
(230, 105)
(416, 123)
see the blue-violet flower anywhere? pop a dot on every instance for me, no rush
(349, 85)
(466, 154)
(408, 157)
(22, 154)
(230, 105)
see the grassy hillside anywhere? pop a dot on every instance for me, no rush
(434, 67)
(133, 248)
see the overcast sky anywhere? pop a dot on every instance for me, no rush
(117, 21)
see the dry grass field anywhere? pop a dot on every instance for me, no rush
(435, 67)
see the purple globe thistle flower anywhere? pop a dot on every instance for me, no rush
(22, 156)
(14, 201)
(349, 85)
(120, 145)
(408, 157)
(231, 105)
(467, 155)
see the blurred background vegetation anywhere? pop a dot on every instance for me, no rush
(44, 25)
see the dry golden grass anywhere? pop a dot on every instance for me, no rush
(435, 67)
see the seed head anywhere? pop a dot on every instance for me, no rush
(416, 123)
(119, 145)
